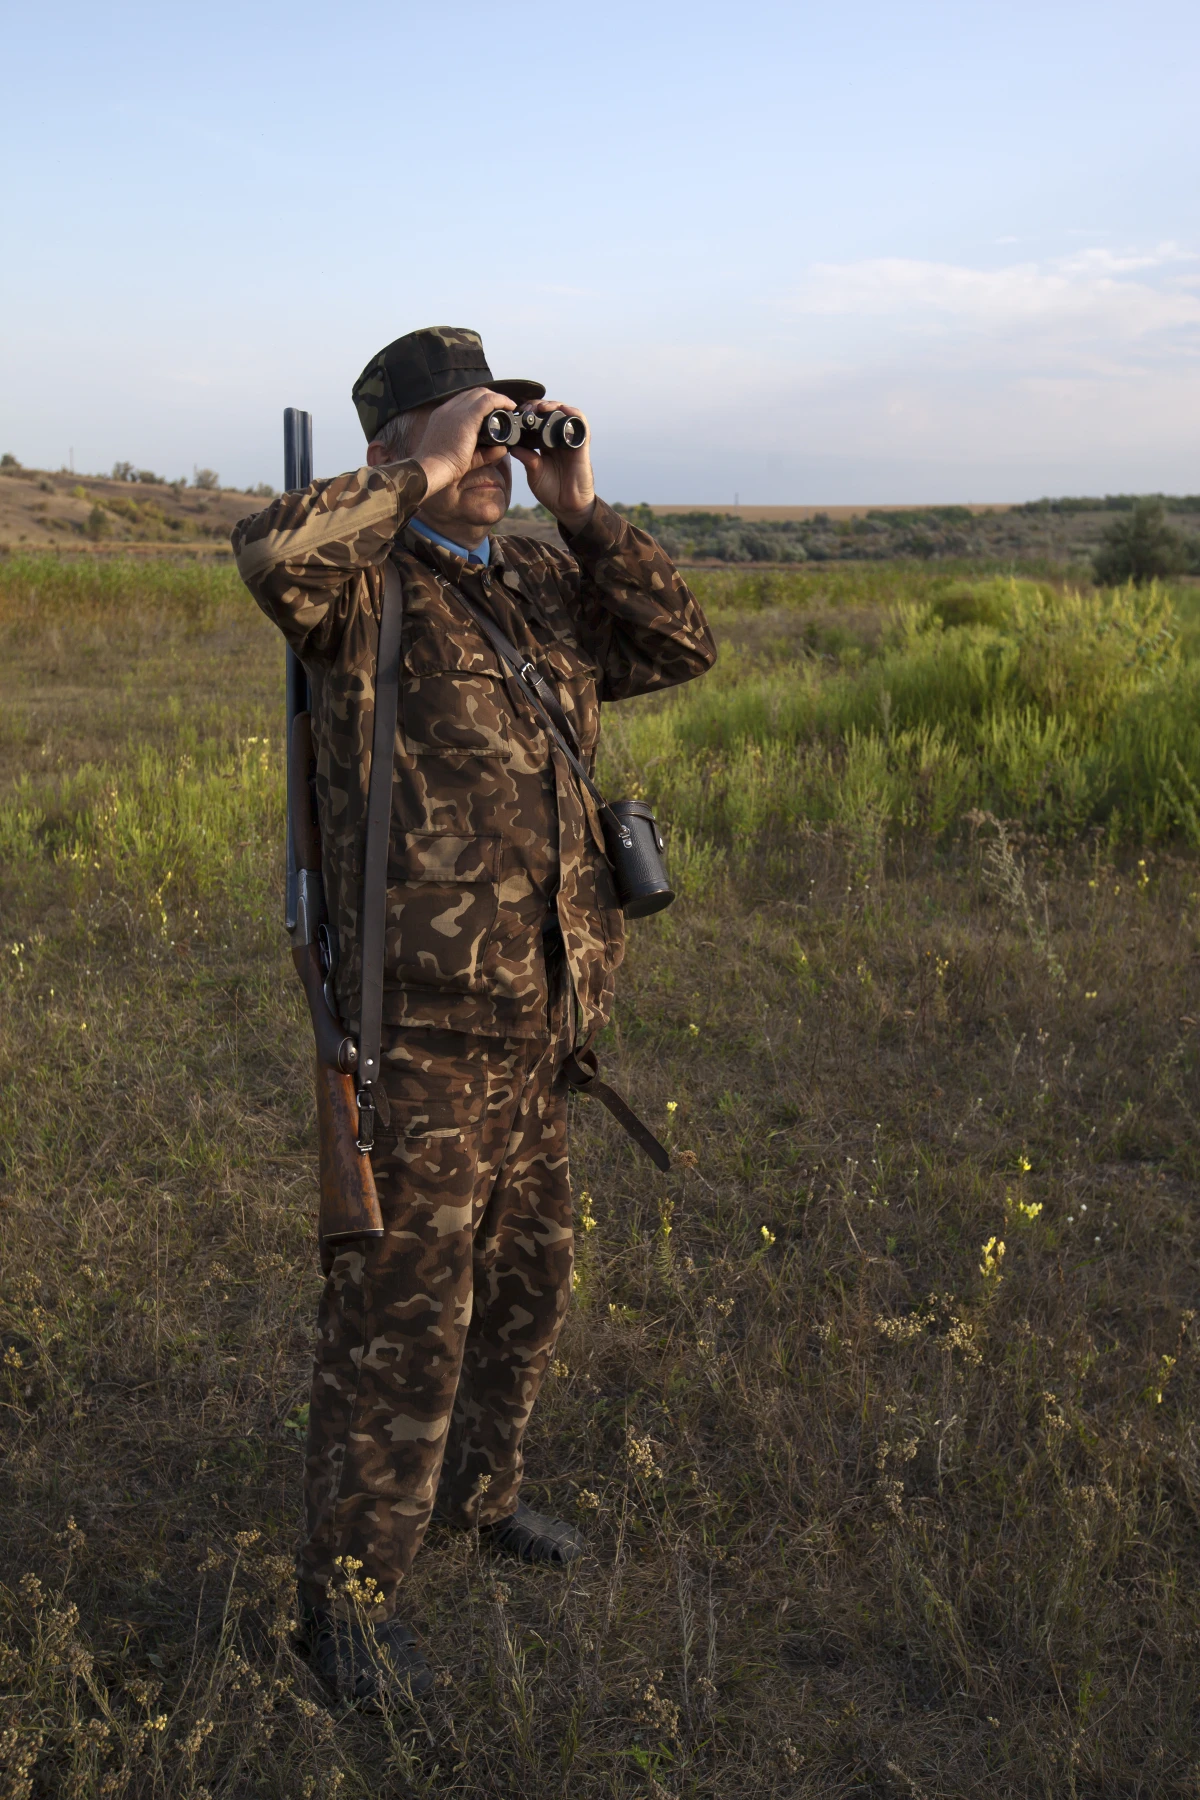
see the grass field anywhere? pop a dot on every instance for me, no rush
(880, 1410)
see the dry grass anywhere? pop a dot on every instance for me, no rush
(877, 1510)
(39, 509)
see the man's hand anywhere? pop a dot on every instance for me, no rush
(451, 436)
(560, 479)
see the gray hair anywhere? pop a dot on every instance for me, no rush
(395, 438)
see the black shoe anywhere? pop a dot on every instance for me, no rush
(534, 1538)
(362, 1663)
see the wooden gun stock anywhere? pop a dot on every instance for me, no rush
(349, 1200)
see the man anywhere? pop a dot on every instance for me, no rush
(502, 942)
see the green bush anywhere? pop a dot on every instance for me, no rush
(1140, 546)
(1067, 710)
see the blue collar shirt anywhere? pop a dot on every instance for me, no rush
(482, 555)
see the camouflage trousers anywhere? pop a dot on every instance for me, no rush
(432, 1343)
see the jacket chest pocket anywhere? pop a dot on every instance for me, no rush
(443, 890)
(453, 701)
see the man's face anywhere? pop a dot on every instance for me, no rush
(465, 511)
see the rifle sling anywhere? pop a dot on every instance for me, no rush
(371, 1097)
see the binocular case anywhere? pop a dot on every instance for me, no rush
(635, 846)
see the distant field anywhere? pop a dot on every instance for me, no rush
(814, 512)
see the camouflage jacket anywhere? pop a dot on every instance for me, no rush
(490, 829)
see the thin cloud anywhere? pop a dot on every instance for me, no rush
(1092, 294)
(1102, 261)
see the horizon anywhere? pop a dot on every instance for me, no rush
(746, 508)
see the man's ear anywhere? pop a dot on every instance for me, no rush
(376, 454)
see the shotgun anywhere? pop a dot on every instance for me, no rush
(349, 1201)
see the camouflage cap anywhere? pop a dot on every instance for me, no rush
(428, 365)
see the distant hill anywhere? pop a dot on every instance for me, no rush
(39, 510)
(1064, 532)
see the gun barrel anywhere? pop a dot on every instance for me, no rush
(297, 448)
(297, 473)
(349, 1200)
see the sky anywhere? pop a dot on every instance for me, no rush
(802, 254)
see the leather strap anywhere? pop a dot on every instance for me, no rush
(581, 1071)
(537, 691)
(526, 672)
(371, 1097)
(533, 677)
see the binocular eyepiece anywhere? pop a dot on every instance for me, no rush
(533, 430)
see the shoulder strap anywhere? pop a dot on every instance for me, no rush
(526, 671)
(371, 1097)
(537, 691)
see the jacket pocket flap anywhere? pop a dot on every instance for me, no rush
(445, 856)
(454, 649)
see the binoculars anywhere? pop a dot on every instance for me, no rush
(533, 430)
